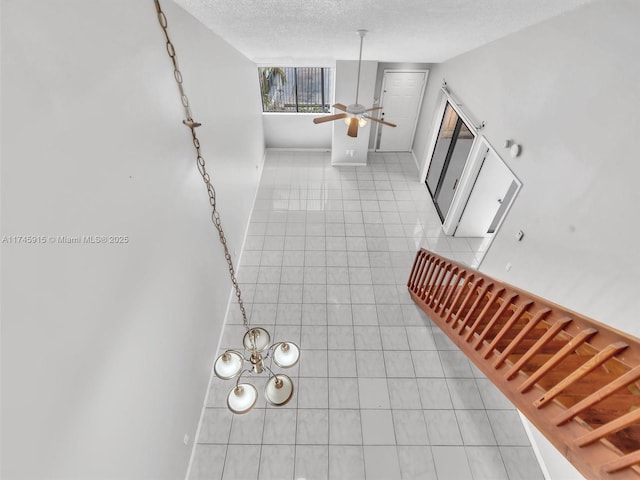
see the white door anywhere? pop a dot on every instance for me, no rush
(492, 193)
(401, 100)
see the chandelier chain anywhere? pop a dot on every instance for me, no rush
(189, 122)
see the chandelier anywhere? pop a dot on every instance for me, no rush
(257, 346)
(279, 387)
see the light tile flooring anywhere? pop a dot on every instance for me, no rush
(380, 392)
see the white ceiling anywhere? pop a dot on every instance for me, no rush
(319, 31)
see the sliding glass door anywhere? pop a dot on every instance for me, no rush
(449, 158)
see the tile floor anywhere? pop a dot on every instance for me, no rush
(380, 392)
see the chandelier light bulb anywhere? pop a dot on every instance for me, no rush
(362, 122)
(242, 398)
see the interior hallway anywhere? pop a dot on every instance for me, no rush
(379, 392)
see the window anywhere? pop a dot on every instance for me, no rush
(296, 89)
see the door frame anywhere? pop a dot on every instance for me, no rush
(378, 131)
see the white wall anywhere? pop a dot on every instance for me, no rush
(296, 130)
(107, 349)
(568, 91)
(348, 150)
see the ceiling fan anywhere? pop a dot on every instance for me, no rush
(355, 114)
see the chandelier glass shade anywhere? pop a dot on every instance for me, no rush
(242, 398)
(278, 390)
(286, 354)
(228, 365)
(257, 338)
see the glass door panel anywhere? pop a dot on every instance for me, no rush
(447, 127)
(451, 176)
(450, 154)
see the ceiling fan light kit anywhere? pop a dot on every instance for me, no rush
(354, 115)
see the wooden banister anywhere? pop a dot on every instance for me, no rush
(577, 380)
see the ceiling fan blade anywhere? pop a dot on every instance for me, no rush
(340, 106)
(329, 118)
(372, 108)
(353, 128)
(380, 121)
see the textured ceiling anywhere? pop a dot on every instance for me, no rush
(315, 31)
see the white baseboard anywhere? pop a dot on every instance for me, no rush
(343, 164)
(283, 149)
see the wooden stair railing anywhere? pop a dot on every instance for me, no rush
(576, 380)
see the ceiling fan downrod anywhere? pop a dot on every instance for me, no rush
(362, 33)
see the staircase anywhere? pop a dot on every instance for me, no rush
(576, 380)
